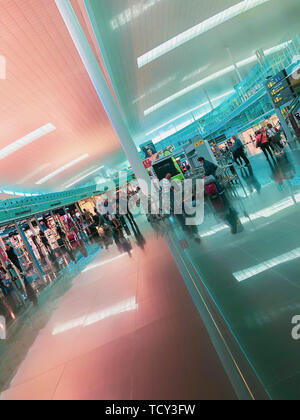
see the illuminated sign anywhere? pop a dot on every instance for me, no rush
(276, 79)
(147, 163)
(199, 143)
(280, 89)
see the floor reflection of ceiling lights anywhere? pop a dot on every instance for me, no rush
(100, 264)
(264, 213)
(84, 321)
(266, 265)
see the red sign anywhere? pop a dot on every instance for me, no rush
(147, 163)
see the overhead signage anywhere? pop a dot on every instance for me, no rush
(283, 97)
(199, 143)
(272, 81)
(280, 89)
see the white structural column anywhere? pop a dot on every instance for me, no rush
(208, 99)
(102, 89)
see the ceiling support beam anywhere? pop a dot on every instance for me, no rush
(239, 76)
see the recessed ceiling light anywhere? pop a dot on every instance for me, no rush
(84, 176)
(197, 30)
(24, 141)
(62, 169)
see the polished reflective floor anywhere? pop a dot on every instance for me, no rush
(125, 329)
(128, 327)
(249, 260)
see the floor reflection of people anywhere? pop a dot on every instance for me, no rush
(191, 230)
(157, 224)
(250, 179)
(224, 209)
(282, 170)
(30, 292)
(140, 239)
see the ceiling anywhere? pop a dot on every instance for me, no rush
(46, 83)
(127, 29)
(47, 86)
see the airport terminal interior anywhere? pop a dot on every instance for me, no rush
(150, 200)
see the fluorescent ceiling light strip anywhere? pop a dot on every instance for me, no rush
(188, 89)
(62, 169)
(212, 77)
(24, 141)
(84, 176)
(33, 173)
(174, 119)
(154, 89)
(197, 30)
(277, 48)
(266, 265)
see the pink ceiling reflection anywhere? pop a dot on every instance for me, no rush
(47, 83)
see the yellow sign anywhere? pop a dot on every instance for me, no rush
(199, 143)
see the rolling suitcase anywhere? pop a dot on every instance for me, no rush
(210, 189)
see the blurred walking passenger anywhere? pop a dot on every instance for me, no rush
(238, 152)
(263, 144)
(274, 138)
